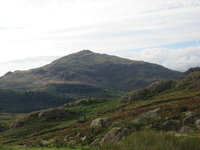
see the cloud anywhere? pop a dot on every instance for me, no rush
(176, 59)
(25, 64)
(33, 28)
(60, 27)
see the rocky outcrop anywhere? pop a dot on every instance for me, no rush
(197, 124)
(116, 134)
(148, 92)
(185, 129)
(100, 123)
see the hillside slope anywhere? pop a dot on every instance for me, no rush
(86, 67)
(189, 81)
(89, 122)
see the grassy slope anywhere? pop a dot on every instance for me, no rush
(172, 103)
(30, 133)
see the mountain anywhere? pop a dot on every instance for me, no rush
(88, 68)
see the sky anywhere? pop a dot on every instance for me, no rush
(35, 32)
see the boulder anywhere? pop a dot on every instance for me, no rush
(188, 117)
(185, 129)
(150, 115)
(116, 134)
(45, 142)
(197, 124)
(100, 123)
(172, 125)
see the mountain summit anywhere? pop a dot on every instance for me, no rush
(89, 68)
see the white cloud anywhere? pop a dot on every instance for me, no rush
(32, 28)
(176, 59)
(25, 64)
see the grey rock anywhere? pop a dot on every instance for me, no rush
(185, 129)
(188, 117)
(116, 134)
(197, 124)
(150, 115)
(100, 123)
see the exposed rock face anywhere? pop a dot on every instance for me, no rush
(116, 134)
(148, 92)
(100, 123)
(197, 124)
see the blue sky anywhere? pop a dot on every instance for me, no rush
(34, 32)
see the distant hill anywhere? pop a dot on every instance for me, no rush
(89, 68)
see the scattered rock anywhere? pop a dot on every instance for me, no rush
(188, 117)
(83, 138)
(100, 123)
(150, 115)
(95, 142)
(44, 143)
(66, 138)
(185, 129)
(172, 125)
(116, 134)
(197, 124)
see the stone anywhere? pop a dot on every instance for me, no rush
(100, 123)
(188, 117)
(95, 142)
(116, 134)
(197, 124)
(185, 129)
(150, 115)
(45, 142)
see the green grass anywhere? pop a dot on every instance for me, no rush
(151, 140)
(93, 109)
(43, 148)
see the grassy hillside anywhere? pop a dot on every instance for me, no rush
(189, 81)
(167, 119)
(86, 67)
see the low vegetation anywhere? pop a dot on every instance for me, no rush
(168, 119)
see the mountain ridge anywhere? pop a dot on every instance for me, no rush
(87, 67)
